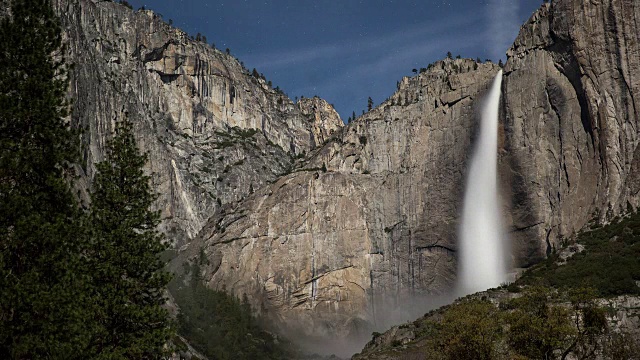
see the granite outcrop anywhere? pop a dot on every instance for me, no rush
(367, 223)
(571, 97)
(214, 131)
(369, 220)
(335, 230)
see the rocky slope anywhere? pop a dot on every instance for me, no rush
(604, 259)
(367, 224)
(213, 132)
(410, 340)
(571, 97)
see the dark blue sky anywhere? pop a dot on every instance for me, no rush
(347, 50)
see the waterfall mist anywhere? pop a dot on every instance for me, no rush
(482, 262)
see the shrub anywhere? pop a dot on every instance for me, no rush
(126, 3)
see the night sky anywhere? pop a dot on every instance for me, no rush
(347, 50)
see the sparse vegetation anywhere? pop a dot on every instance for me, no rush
(541, 324)
(469, 330)
(610, 262)
(126, 3)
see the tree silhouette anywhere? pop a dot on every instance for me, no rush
(125, 256)
(42, 282)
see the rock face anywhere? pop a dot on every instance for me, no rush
(571, 97)
(333, 252)
(212, 130)
(367, 224)
(332, 244)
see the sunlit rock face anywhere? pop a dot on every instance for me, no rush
(318, 250)
(335, 252)
(571, 98)
(183, 97)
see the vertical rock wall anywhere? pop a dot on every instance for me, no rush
(333, 244)
(367, 226)
(571, 100)
(330, 251)
(213, 132)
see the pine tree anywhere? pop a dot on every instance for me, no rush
(369, 104)
(126, 247)
(42, 312)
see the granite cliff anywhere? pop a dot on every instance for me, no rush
(367, 223)
(335, 252)
(330, 229)
(213, 131)
(571, 96)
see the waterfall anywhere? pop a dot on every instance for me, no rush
(482, 262)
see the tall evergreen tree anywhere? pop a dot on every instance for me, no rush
(125, 254)
(41, 311)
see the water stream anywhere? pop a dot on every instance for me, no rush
(481, 259)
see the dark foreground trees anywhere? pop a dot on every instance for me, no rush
(124, 256)
(40, 237)
(69, 288)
